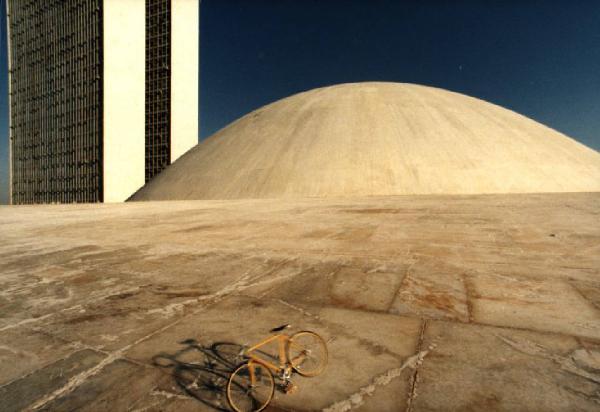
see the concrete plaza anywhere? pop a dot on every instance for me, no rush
(427, 302)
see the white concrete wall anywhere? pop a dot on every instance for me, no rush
(184, 76)
(124, 98)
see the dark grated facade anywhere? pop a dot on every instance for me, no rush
(158, 86)
(56, 100)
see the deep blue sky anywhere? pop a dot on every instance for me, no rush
(539, 58)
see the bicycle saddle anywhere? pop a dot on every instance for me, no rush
(280, 328)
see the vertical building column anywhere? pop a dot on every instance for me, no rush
(124, 98)
(10, 98)
(184, 76)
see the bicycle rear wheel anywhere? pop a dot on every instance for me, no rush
(250, 387)
(307, 353)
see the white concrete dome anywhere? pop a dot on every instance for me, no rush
(366, 139)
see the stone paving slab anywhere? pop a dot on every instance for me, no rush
(488, 368)
(168, 395)
(117, 387)
(544, 306)
(373, 291)
(370, 288)
(24, 392)
(589, 290)
(434, 291)
(23, 351)
(113, 322)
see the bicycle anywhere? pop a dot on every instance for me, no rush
(251, 386)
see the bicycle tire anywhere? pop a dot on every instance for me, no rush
(297, 348)
(242, 397)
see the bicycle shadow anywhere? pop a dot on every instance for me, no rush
(202, 372)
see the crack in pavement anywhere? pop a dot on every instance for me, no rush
(82, 377)
(168, 395)
(70, 308)
(414, 379)
(567, 363)
(341, 330)
(246, 281)
(358, 398)
(176, 308)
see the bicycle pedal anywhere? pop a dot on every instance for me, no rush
(289, 388)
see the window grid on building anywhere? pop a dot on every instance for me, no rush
(56, 100)
(158, 86)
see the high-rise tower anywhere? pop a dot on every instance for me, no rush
(103, 95)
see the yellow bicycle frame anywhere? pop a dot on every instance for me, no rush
(283, 361)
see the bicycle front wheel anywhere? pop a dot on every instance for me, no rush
(307, 353)
(250, 387)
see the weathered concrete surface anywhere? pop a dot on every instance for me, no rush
(427, 303)
(378, 138)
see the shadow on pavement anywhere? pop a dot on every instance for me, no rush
(203, 371)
